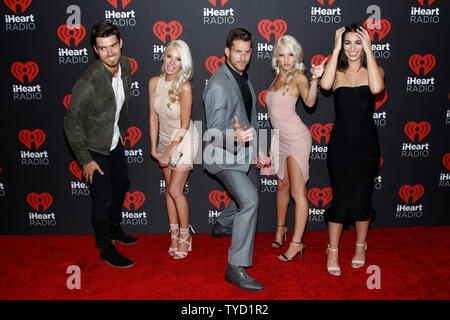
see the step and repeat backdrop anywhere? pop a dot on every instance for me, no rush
(41, 190)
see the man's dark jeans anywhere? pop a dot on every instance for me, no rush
(108, 193)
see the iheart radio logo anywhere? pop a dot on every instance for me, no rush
(316, 194)
(380, 99)
(27, 137)
(133, 136)
(446, 161)
(66, 101)
(266, 27)
(75, 168)
(134, 65)
(380, 27)
(216, 198)
(214, 2)
(318, 59)
(269, 170)
(429, 1)
(77, 33)
(44, 199)
(115, 2)
(213, 63)
(427, 62)
(20, 70)
(173, 28)
(330, 2)
(137, 198)
(319, 130)
(415, 192)
(421, 129)
(12, 4)
(262, 98)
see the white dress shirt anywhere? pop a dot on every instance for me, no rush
(119, 93)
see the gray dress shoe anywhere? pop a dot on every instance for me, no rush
(219, 230)
(239, 277)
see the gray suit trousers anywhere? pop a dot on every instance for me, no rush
(241, 213)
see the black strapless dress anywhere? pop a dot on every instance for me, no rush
(353, 155)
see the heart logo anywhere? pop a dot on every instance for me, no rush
(27, 137)
(213, 63)
(408, 191)
(262, 98)
(427, 62)
(75, 168)
(134, 65)
(269, 169)
(316, 194)
(77, 33)
(380, 99)
(216, 198)
(380, 27)
(421, 129)
(115, 2)
(12, 4)
(429, 1)
(133, 136)
(137, 198)
(161, 29)
(266, 27)
(330, 2)
(44, 199)
(446, 161)
(214, 2)
(66, 101)
(319, 130)
(318, 59)
(20, 70)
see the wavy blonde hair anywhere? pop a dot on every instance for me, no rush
(185, 73)
(296, 49)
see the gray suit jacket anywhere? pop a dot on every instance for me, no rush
(223, 100)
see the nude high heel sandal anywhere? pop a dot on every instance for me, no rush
(359, 263)
(185, 235)
(173, 227)
(335, 271)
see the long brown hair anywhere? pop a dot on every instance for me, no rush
(342, 64)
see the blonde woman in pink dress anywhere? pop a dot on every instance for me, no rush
(294, 140)
(172, 133)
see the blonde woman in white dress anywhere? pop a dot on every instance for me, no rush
(173, 138)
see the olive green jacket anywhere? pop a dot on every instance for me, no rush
(89, 121)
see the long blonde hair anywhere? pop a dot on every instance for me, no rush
(185, 73)
(296, 49)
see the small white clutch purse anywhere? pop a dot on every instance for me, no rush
(175, 156)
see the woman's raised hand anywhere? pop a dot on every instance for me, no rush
(338, 39)
(365, 38)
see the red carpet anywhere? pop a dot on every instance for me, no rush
(414, 264)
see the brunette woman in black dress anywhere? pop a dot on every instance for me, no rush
(353, 151)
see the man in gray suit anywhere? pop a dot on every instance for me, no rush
(230, 106)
